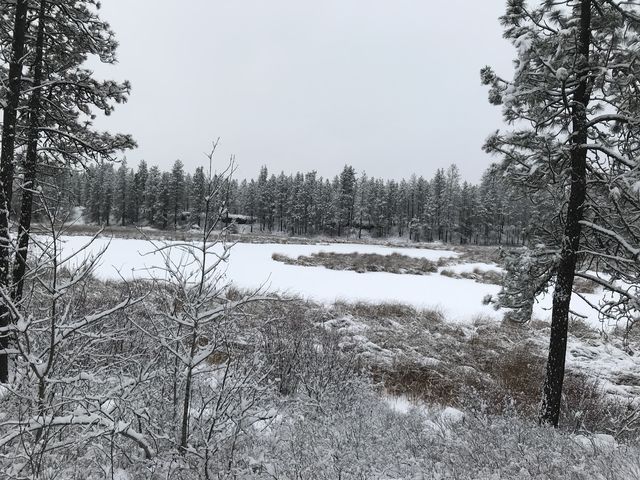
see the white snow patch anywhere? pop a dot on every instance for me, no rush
(470, 267)
(562, 74)
(399, 403)
(452, 416)
(598, 441)
(346, 325)
(447, 417)
(543, 305)
(617, 372)
(120, 474)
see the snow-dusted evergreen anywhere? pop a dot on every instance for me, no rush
(47, 114)
(573, 102)
(444, 208)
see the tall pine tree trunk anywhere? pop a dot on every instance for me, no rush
(10, 114)
(30, 162)
(552, 394)
(123, 204)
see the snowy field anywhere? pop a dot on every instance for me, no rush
(251, 267)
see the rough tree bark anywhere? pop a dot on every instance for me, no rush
(30, 162)
(552, 392)
(10, 115)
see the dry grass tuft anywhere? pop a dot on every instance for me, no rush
(492, 277)
(362, 262)
(448, 273)
(375, 310)
(584, 285)
(580, 329)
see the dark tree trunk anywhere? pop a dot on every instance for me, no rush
(552, 394)
(123, 204)
(175, 217)
(30, 164)
(10, 113)
(6, 169)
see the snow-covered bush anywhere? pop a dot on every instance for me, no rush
(302, 356)
(75, 383)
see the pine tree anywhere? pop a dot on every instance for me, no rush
(121, 194)
(306, 196)
(131, 212)
(438, 198)
(54, 39)
(269, 199)
(346, 197)
(574, 97)
(468, 213)
(451, 202)
(361, 202)
(197, 195)
(295, 207)
(281, 199)
(176, 191)
(262, 198)
(10, 113)
(252, 201)
(494, 212)
(163, 201)
(140, 190)
(151, 195)
(421, 201)
(106, 200)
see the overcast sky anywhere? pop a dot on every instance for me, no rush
(389, 86)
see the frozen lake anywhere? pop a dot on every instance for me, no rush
(250, 266)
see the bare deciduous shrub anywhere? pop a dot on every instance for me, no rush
(64, 398)
(368, 440)
(284, 344)
(303, 357)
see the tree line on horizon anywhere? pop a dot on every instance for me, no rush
(443, 208)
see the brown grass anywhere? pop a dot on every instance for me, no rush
(362, 262)
(580, 329)
(584, 285)
(376, 311)
(505, 383)
(492, 277)
(473, 254)
(449, 273)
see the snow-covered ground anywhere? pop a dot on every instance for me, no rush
(617, 371)
(459, 299)
(470, 267)
(251, 267)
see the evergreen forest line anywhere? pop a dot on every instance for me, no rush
(443, 208)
